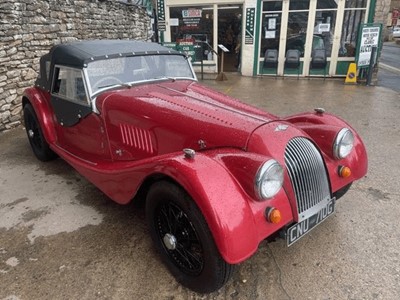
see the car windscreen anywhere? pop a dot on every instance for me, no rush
(106, 73)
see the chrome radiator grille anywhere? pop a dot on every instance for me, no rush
(308, 176)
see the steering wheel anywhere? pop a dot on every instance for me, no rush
(110, 80)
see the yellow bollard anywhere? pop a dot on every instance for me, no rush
(351, 77)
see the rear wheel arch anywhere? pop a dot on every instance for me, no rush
(37, 140)
(25, 101)
(44, 116)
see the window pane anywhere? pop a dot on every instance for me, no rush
(68, 84)
(193, 23)
(271, 30)
(356, 3)
(321, 4)
(299, 4)
(296, 34)
(272, 6)
(323, 30)
(351, 22)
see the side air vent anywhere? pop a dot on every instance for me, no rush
(137, 138)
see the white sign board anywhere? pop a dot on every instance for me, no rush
(174, 22)
(223, 48)
(369, 39)
(270, 34)
(324, 27)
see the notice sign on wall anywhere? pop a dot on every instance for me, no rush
(191, 18)
(186, 46)
(249, 36)
(369, 38)
(161, 15)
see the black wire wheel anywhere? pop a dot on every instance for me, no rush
(39, 145)
(182, 237)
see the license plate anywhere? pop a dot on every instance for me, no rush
(298, 230)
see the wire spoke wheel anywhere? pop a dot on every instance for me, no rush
(183, 239)
(186, 252)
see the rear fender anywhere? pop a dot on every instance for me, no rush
(43, 111)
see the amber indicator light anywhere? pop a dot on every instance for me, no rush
(273, 215)
(344, 172)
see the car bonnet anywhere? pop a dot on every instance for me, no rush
(186, 112)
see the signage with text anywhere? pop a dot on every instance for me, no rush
(249, 36)
(370, 35)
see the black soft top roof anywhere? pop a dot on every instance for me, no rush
(78, 54)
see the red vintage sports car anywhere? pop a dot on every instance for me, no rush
(219, 176)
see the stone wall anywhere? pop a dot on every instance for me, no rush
(381, 15)
(29, 28)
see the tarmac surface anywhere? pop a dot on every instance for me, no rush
(61, 238)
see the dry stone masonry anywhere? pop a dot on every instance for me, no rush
(29, 28)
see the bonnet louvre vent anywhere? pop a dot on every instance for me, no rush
(138, 138)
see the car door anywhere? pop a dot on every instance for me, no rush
(79, 130)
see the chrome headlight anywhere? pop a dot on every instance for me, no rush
(269, 179)
(343, 143)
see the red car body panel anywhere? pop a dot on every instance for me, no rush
(173, 116)
(139, 132)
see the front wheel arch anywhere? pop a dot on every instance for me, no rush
(341, 192)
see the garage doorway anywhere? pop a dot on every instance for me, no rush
(229, 35)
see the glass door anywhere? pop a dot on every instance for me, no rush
(270, 36)
(230, 35)
(295, 29)
(296, 36)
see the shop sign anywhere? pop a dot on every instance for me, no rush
(170, 45)
(162, 26)
(161, 10)
(369, 38)
(187, 46)
(191, 13)
(249, 35)
(191, 18)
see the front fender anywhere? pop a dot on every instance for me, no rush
(323, 128)
(236, 221)
(224, 204)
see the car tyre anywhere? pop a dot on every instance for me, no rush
(182, 237)
(39, 145)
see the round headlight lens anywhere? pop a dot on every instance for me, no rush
(343, 143)
(269, 179)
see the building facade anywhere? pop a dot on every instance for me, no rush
(248, 28)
